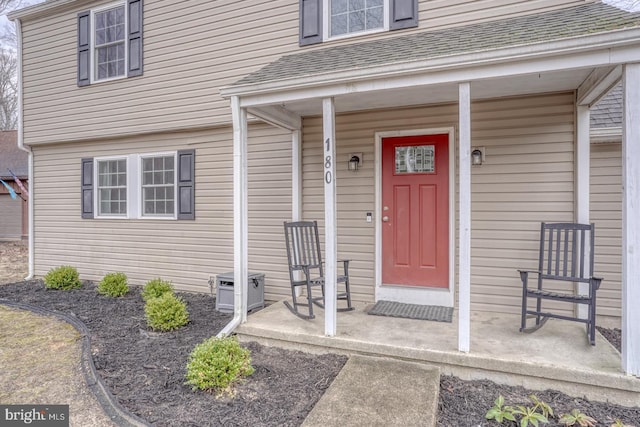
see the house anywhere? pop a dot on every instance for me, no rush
(14, 217)
(173, 139)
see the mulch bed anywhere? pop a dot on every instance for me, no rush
(145, 369)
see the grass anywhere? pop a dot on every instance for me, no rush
(28, 340)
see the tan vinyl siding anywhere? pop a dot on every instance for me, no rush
(606, 213)
(527, 178)
(185, 252)
(191, 49)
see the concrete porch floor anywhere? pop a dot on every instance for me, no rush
(557, 356)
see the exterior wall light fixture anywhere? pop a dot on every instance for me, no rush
(477, 156)
(355, 161)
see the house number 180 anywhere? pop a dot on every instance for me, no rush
(327, 162)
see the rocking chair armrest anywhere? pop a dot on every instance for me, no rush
(596, 282)
(345, 266)
(524, 275)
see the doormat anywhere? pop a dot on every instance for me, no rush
(412, 311)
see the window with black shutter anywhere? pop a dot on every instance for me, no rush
(322, 20)
(110, 42)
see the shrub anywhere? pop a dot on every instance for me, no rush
(166, 312)
(64, 277)
(113, 285)
(216, 364)
(156, 288)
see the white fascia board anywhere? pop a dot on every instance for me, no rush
(597, 50)
(41, 9)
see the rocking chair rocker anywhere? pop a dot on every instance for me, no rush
(303, 254)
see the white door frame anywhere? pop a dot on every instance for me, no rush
(413, 294)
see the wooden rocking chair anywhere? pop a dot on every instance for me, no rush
(562, 259)
(303, 254)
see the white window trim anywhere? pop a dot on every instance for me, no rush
(96, 188)
(134, 187)
(326, 23)
(92, 35)
(140, 209)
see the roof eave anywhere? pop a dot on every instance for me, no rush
(615, 38)
(39, 9)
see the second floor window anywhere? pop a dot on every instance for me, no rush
(355, 16)
(109, 42)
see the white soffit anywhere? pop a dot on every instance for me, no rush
(447, 93)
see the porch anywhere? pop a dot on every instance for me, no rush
(467, 94)
(557, 356)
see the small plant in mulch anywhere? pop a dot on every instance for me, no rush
(534, 415)
(216, 364)
(539, 413)
(166, 312)
(155, 288)
(499, 412)
(618, 423)
(577, 418)
(64, 277)
(113, 285)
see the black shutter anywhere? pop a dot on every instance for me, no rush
(403, 14)
(134, 38)
(310, 22)
(84, 37)
(87, 188)
(186, 184)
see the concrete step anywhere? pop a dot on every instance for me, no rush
(375, 391)
(556, 357)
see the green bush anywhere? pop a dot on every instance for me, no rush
(216, 364)
(156, 288)
(113, 285)
(166, 312)
(64, 277)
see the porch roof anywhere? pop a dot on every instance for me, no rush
(569, 23)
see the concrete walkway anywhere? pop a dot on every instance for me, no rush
(372, 391)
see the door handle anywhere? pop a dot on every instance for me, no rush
(385, 219)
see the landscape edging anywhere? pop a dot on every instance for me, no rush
(114, 410)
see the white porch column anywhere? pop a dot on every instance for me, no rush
(582, 159)
(330, 227)
(296, 175)
(631, 220)
(296, 189)
(240, 211)
(464, 262)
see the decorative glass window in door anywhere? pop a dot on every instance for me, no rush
(415, 159)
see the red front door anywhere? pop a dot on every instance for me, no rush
(415, 211)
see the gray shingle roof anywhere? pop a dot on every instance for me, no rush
(11, 157)
(524, 30)
(608, 112)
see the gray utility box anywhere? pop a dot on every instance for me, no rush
(224, 292)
